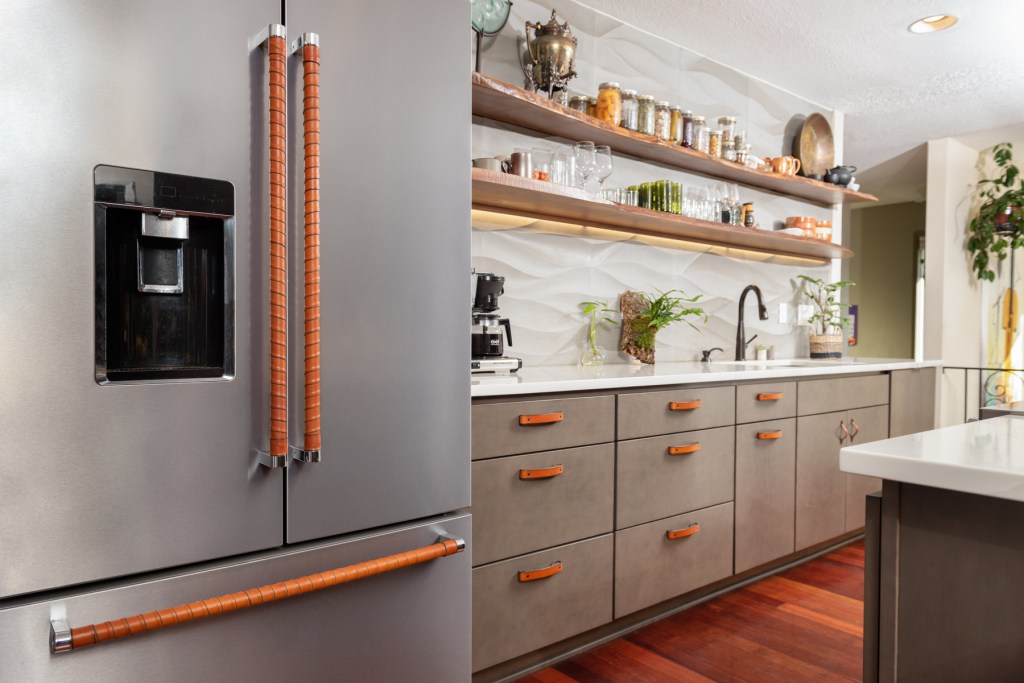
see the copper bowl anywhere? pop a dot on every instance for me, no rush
(814, 146)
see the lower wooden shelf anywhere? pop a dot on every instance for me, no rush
(506, 193)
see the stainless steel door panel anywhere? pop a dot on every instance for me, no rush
(395, 108)
(99, 481)
(412, 624)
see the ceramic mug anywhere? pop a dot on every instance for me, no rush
(786, 165)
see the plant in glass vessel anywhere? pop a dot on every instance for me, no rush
(598, 315)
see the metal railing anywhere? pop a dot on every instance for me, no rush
(993, 387)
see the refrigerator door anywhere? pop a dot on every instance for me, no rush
(395, 234)
(106, 480)
(411, 624)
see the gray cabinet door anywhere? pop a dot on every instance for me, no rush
(912, 402)
(395, 243)
(866, 424)
(100, 481)
(820, 486)
(765, 491)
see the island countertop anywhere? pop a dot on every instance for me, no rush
(561, 378)
(984, 458)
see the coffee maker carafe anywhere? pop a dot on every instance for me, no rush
(488, 346)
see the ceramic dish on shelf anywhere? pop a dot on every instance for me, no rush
(792, 231)
(814, 146)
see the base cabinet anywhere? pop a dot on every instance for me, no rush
(765, 492)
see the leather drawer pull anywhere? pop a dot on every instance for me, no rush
(545, 473)
(683, 450)
(542, 419)
(684, 405)
(538, 574)
(766, 436)
(682, 533)
(770, 397)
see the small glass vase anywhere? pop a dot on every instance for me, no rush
(593, 354)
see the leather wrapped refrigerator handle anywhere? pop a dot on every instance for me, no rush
(63, 638)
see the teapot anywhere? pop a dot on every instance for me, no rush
(551, 54)
(840, 175)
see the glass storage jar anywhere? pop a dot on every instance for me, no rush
(727, 124)
(645, 120)
(662, 120)
(579, 103)
(609, 103)
(630, 110)
(700, 134)
(687, 140)
(592, 106)
(676, 124)
(728, 150)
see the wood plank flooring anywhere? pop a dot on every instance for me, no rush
(804, 624)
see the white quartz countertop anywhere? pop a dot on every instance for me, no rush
(985, 458)
(551, 379)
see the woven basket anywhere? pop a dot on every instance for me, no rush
(826, 346)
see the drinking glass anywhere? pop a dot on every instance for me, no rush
(541, 164)
(603, 161)
(586, 160)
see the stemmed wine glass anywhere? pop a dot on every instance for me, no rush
(586, 160)
(603, 164)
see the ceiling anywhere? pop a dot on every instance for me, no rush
(897, 89)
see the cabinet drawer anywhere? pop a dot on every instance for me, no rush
(653, 483)
(756, 402)
(528, 426)
(765, 490)
(680, 410)
(514, 515)
(513, 617)
(826, 395)
(650, 568)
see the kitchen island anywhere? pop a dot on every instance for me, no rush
(944, 553)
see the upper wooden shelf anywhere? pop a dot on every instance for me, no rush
(501, 101)
(508, 193)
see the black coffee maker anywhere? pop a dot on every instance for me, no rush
(488, 345)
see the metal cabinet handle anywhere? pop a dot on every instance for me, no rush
(684, 405)
(843, 432)
(309, 43)
(682, 533)
(545, 473)
(63, 638)
(856, 430)
(768, 436)
(537, 574)
(770, 397)
(684, 450)
(541, 419)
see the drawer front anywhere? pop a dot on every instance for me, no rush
(651, 414)
(528, 426)
(650, 568)
(653, 483)
(757, 402)
(826, 395)
(517, 509)
(513, 617)
(765, 492)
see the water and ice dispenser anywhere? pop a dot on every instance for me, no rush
(164, 276)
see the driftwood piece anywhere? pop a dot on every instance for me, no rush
(634, 331)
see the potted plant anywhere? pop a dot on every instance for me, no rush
(597, 314)
(827, 322)
(644, 315)
(997, 227)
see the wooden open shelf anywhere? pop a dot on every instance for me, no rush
(506, 193)
(501, 101)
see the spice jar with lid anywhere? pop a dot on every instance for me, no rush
(662, 120)
(715, 143)
(687, 140)
(727, 124)
(609, 103)
(630, 109)
(645, 119)
(728, 150)
(579, 103)
(742, 152)
(700, 134)
(592, 106)
(676, 124)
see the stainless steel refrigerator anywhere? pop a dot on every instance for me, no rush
(155, 443)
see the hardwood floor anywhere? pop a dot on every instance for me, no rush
(804, 624)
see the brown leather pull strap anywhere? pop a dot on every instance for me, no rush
(278, 252)
(682, 533)
(537, 574)
(542, 419)
(684, 405)
(545, 473)
(684, 450)
(770, 397)
(768, 436)
(311, 151)
(93, 634)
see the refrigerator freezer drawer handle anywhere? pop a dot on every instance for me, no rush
(93, 634)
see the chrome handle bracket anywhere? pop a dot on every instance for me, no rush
(303, 40)
(60, 636)
(460, 543)
(272, 462)
(304, 456)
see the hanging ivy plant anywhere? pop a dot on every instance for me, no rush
(998, 227)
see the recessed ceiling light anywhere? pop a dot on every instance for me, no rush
(938, 22)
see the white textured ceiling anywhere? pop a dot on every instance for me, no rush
(897, 89)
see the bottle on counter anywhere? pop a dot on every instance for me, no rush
(630, 110)
(609, 103)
